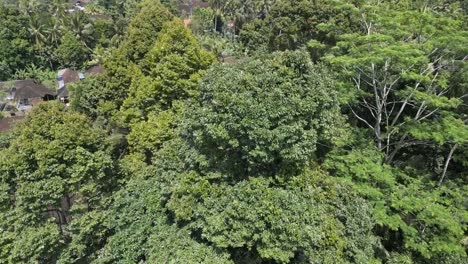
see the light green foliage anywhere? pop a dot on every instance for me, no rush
(148, 136)
(144, 29)
(56, 167)
(264, 116)
(446, 128)
(118, 77)
(401, 205)
(169, 72)
(121, 67)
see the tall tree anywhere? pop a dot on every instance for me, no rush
(55, 169)
(265, 117)
(138, 40)
(169, 72)
(144, 28)
(401, 74)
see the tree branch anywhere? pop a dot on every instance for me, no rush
(449, 157)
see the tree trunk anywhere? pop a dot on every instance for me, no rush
(449, 157)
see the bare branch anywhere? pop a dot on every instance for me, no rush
(428, 115)
(449, 157)
(360, 118)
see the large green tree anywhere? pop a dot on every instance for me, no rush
(55, 169)
(144, 29)
(278, 209)
(401, 78)
(120, 66)
(169, 72)
(414, 218)
(265, 116)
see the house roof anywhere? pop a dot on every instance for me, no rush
(26, 89)
(69, 75)
(4, 107)
(95, 70)
(63, 92)
(8, 122)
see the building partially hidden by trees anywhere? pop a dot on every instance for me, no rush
(24, 94)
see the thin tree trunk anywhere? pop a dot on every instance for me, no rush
(398, 146)
(449, 157)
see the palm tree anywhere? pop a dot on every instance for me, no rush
(240, 11)
(58, 8)
(218, 7)
(81, 28)
(54, 31)
(40, 33)
(37, 30)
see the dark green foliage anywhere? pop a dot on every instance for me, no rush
(15, 49)
(71, 53)
(144, 232)
(265, 116)
(104, 31)
(87, 94)
(348, 145)
(291, 24)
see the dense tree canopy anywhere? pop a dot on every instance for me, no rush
(264, 116)
(55, 170)
(271, 131)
